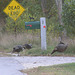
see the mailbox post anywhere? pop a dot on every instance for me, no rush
(43, 33)
(37, 25)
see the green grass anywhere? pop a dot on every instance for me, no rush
(63, 69)
(7, 42)
(36, 51)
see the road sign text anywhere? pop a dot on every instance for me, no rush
(13, 7)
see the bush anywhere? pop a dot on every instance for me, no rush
(69, 15)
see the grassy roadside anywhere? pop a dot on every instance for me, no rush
(63, 69)
(7, 42)
(36, 51)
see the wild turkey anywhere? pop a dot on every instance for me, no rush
(61, 47)
(18, 49)
(27, 46)
(61, 42)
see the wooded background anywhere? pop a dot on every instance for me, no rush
(60, 20)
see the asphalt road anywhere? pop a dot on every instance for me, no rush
(13, 65)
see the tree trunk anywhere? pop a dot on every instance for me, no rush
(59, 7)
(43, 5)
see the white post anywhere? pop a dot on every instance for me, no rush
(43, 33)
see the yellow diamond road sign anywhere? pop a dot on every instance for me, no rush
(14, 9)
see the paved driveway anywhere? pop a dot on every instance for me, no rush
(9, 66)
(12, 65)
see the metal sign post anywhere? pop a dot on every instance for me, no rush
(43, 33)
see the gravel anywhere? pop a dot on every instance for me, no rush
(13, 65)
(31, 62)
